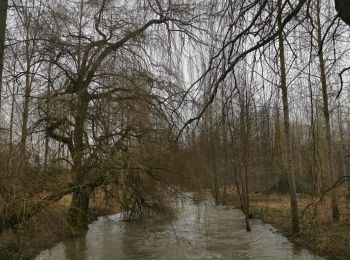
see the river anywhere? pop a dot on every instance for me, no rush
(199, 232)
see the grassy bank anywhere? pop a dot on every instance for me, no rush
(318, 233)
(45, 230)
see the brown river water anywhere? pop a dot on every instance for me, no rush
(200, 231)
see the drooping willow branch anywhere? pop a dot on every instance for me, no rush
(235, 61)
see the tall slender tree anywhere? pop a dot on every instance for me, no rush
(326, 113)
(286, 120)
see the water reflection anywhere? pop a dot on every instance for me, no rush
(75, 249)
(200, 232)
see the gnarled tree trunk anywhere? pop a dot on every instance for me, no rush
(77, 220)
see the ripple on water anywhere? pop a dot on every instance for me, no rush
(200, 232)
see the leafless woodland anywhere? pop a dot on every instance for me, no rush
(144, 99)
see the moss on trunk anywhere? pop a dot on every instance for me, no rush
(77, 217)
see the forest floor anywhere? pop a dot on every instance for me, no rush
(44, 230)
(318, 233)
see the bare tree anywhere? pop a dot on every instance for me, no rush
(93, 81)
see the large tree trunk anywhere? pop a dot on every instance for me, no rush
(289, 163)
(326, 113)
(77, 220)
